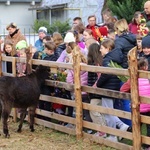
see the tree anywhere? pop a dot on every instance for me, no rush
(125, 8)
(57, 26)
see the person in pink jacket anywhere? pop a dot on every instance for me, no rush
(83, 80)
(144, 90)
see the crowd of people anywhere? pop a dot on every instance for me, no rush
(99, 46)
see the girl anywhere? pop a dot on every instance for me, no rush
(144, 90)
(111, 82)
(95, 59)
(9, 51)
(87, 34)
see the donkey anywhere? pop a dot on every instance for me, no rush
(21, 92)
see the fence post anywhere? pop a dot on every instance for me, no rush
(135, 103)
(77, 90)
(14, 74)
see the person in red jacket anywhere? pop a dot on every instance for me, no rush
(98, 32)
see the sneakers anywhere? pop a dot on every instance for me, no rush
(124, 127)
(100, 134)
(112, 138)
(69, 125)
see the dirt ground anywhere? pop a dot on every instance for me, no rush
(43, 139)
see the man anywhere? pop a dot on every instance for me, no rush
(14, 34)
(42, 32)
(77, 21)
(98, 32)
(146, 13)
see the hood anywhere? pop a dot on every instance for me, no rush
(62, 46)
(129, 37)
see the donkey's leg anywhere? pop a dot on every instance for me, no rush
(23, 112)
(5, 114)
(32, 115)
(0, 110)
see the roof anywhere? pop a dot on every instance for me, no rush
(47, 7)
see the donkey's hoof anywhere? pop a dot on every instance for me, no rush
(7, 135)
(32, 130)
(19, 130)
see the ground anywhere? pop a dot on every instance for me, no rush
(43, 139)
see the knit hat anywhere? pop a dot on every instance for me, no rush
(69, 37)
(42, 29)
(146, 42)
(21, 44)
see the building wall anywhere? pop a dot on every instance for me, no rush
(17, 13)
(82, 8)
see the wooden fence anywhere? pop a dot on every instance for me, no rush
(135, 116)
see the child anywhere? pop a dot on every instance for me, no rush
(146, 48)
(139, 46)
(9, 51)
(111, 82)
(21, 53)
(144, 90)
(95, 59)
(47, 53)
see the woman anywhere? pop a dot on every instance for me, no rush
(125, 40)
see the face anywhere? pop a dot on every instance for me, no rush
(11, 30)
(41, 35)
(147, 7)
(8, 48)
(76, 22)
(49, 52)
(21, 53)
(104, 50)
(138, 18)
(146, 51)
(139, 43)
(86, 35)
(92, 21)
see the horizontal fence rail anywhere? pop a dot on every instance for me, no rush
(78, 122)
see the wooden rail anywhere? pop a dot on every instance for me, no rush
(79, 123)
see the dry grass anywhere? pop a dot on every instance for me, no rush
(43, 139)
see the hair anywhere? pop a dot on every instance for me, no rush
(79, 28)
(107, 12)
(8, 42)
(94, 55)
(90, 41)
(57, 38)
(89, 31)
(136, 14)
(71, 45)
(138, 37)
(91, 16)
(111, 31)
(12, 25)
(108, 43)
(142, 62)
(77, 18)
(50, 45)
(47, 38)
(110, 25)
(121, 26)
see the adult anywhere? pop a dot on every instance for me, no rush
(42, 32)
(125, 40)
(146, 12)
(14, 34)
(98, 32)
(76, 21)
